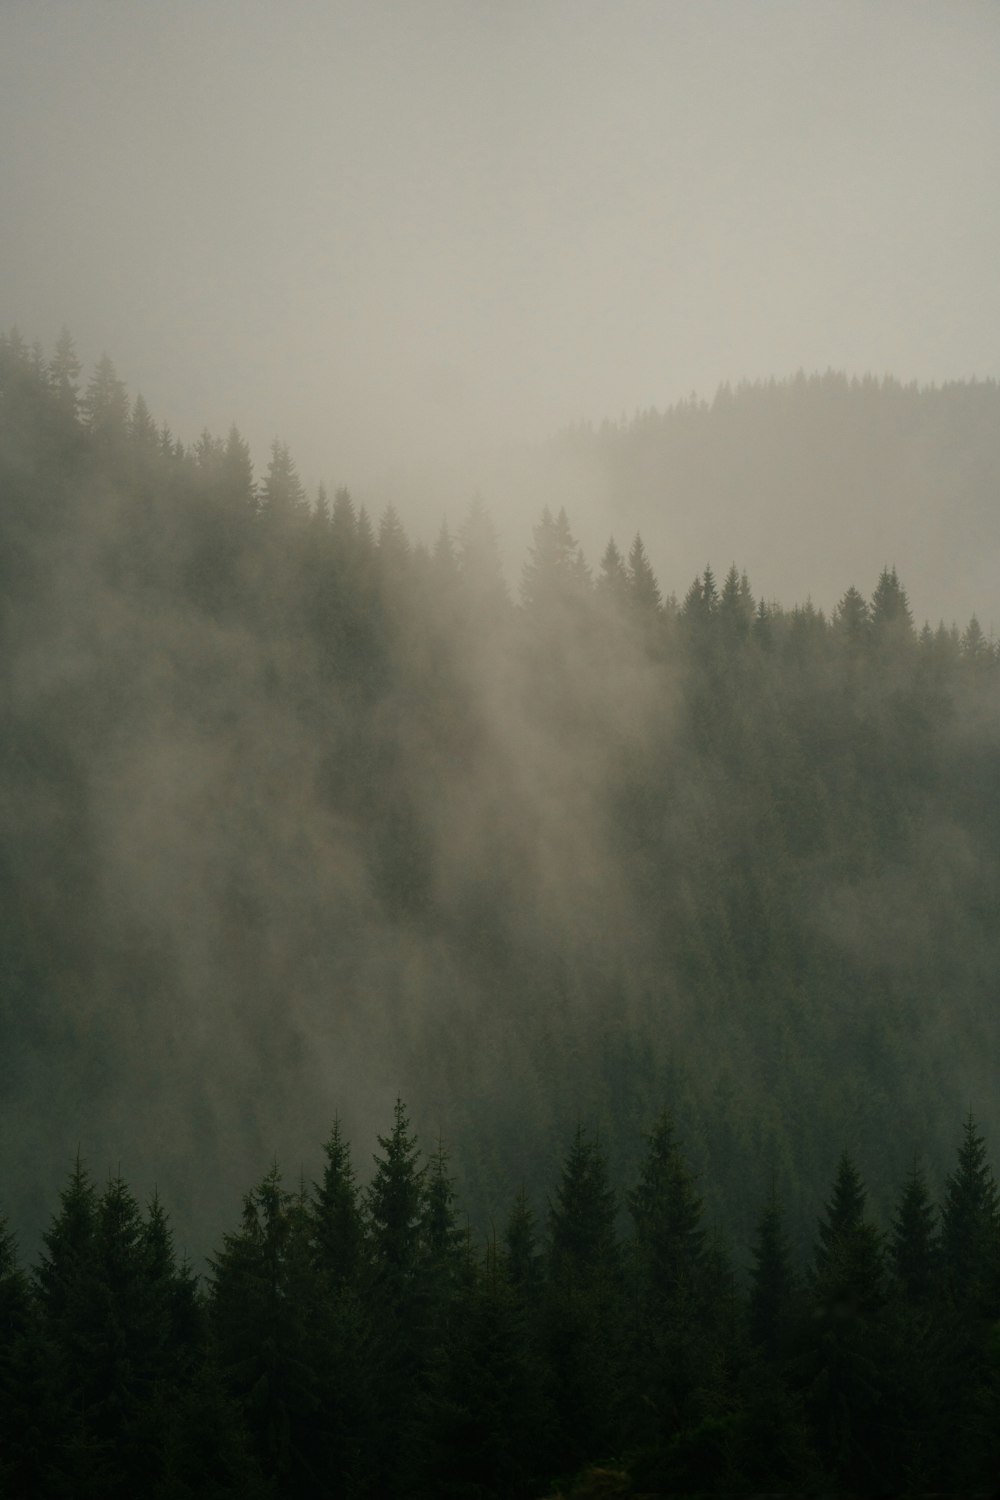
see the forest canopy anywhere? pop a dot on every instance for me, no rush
(299, 814)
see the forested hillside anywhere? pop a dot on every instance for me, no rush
(298, 816)
(807, 481)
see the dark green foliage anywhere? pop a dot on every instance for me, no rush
(434, 1369)
(336, 1215)
(263, 1318)
(970, 1226)
(914, 1246)
(676, 1286)
(278, 791)
(772, 1284)
(583, 1308)
(849, 1349)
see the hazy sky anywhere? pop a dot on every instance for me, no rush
(389, 232)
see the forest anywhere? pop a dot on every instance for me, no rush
(356, 1340)
(672, 916)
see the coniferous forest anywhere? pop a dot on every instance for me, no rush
(673, 917)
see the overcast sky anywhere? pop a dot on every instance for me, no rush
(390, 232)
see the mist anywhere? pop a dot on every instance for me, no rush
(467, 250)
(402, 242)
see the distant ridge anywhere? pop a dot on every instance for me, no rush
(811, 483)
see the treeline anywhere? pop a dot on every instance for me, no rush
(357, 1341)
(801, 477)
(296, 811)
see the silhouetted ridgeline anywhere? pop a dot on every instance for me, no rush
(297, 816)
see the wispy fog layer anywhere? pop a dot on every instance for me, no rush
(399, 236)
(296, 816)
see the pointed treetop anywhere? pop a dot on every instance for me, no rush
(281, 494)
(844, 1212)
(643, 589)
(914, 1244)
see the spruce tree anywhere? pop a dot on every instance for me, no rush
(263, 1307)
(914, 1245)
(672, 1313)
(772, 1283)
(851, 1368)
(583, 1315)
(398, 1302)
(970, 1228)
(336, 1214)
(282, 498)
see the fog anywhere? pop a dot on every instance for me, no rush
(293, 838)
(405, 238)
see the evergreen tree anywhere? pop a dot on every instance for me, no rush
(520, 1259)
(843, 1217)
(282, 497)
(583, 1321)
(673, 1312)
(64, 374)
(914, 1244)
(852, 1352)
(442, 1237)
(891, 617)
(612, 582)
(263, 1306)
(343, 526)
(336, 1215)
(970, 1228)
(27, 1418)
(772, 1283)
(236, 483)
(643, 589)
(555, 576)
(736, 605)
(851, 618)
(398, 1305)
(479, 562)
(105, 406)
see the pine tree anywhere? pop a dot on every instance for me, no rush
(914, 1245)
(398, 1303)
(335, 1238)
(64, 375)
(674, 1314)
(393, 546)
(852, 1351)
(736, 605)
(643, 589)
(336, 1214)
(555, 576)
(520, 1259)
(772, 1283)
(851, 618)
(236, 483)
(843, 1216)
(479, 564)
(891, 616)
(612, 582)
(65, 1268)
(443, 1239)
(263, 1306)
(282, 497)
(105, 406)
(583, 1313)
(970, 1228)
(27, 1420)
